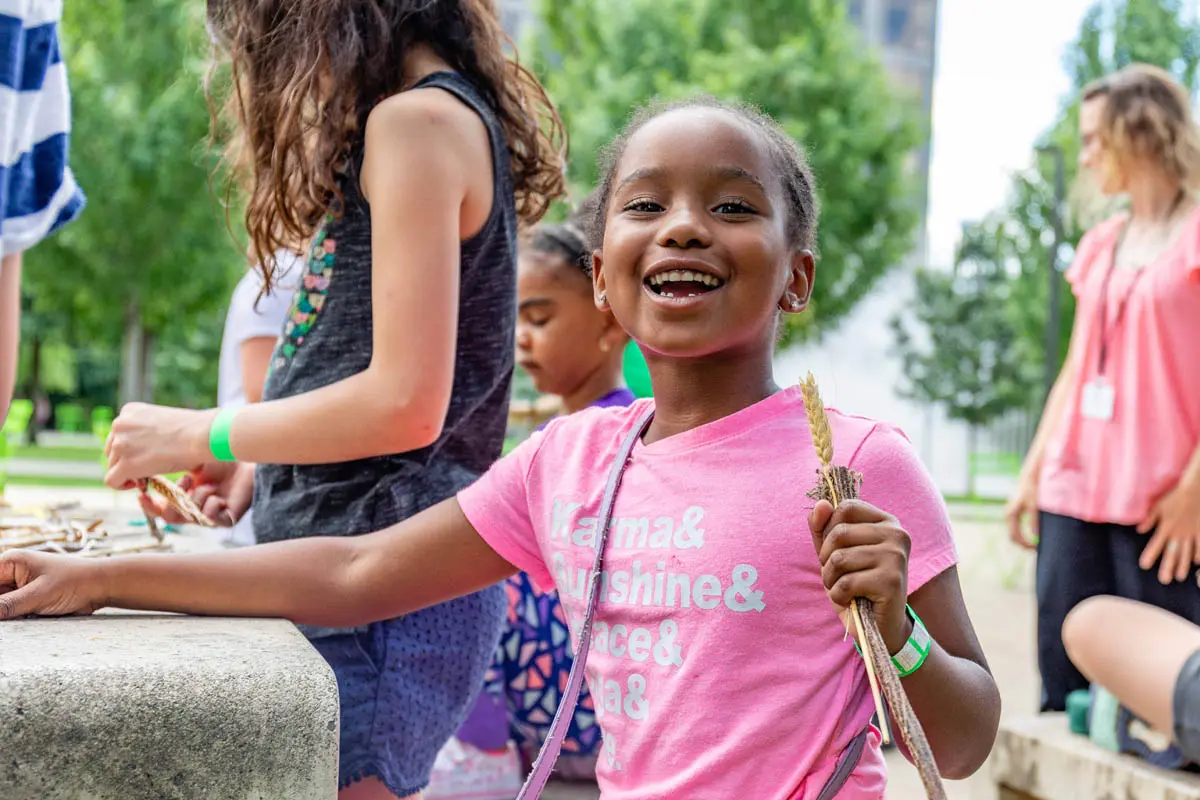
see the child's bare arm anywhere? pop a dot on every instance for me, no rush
(328, 581)
(864, 553)
(425, 155)
(953, 693)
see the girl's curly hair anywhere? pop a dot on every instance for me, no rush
(305, 75)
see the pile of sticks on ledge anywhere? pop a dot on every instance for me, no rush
(53, 530)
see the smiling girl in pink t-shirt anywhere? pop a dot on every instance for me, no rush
(719, 665)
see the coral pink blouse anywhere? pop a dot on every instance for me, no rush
(1111, 465)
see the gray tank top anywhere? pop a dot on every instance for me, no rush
(327, 337)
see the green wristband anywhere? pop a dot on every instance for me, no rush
(916, 649)
(218, 435)
(912, 656)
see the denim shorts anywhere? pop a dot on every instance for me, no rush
(1185, 707)
(405, 685)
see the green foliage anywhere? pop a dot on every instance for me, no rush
(151, 250)
(971, 363)
(799, 60)
(185, 365)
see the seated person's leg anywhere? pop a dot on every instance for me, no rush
(1148, 658)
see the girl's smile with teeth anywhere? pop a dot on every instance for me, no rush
(683, 283)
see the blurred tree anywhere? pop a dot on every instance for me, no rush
(965, 355)
(151, 259)
(799, 60)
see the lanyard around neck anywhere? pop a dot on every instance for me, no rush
(1106, 332)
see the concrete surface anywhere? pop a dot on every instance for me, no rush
(997, 582)
(1040, 757)
(158, 707)
(97, 499)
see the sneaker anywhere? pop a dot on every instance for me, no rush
(1137, 738)
(463, 772)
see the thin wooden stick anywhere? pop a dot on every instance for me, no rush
(822, 436)
(837, 484)
(906, 720)
(872, 679)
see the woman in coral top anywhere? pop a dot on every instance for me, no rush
(1110, 490)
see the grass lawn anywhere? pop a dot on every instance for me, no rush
(974, 500)
(64, 483)
(91, 454)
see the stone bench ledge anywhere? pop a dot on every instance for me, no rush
(135, 706)
(1039, 758)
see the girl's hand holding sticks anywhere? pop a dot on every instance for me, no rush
(864, 553)
(150, 440)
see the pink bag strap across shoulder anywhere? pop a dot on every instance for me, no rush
(546, 759)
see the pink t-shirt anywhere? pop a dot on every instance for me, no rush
(1113, 470)
(719, 668)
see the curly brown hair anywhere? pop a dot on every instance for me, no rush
(1148, 115)
(305, 75)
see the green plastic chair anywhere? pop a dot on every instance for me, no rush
(15, 425)
(102, 420)
(20, 413)
(637, 375)
(70, 418)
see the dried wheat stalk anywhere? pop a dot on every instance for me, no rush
(822, 438)
(836, 483)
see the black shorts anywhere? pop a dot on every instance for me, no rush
(1078, 560)
(1185, 707)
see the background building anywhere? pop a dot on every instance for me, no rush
(904, 32)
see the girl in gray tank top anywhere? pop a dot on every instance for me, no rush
(419, 151)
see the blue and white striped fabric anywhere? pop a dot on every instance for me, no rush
(38, 193)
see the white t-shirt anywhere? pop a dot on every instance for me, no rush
(251, 318)
(247, 320)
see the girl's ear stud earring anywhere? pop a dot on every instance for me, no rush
(602, 299)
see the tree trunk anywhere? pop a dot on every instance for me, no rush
(148, 376)
(133, 362)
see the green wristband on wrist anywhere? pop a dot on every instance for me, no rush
(915, 650)
(218, 435)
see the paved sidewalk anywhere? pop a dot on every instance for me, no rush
(39, 468)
